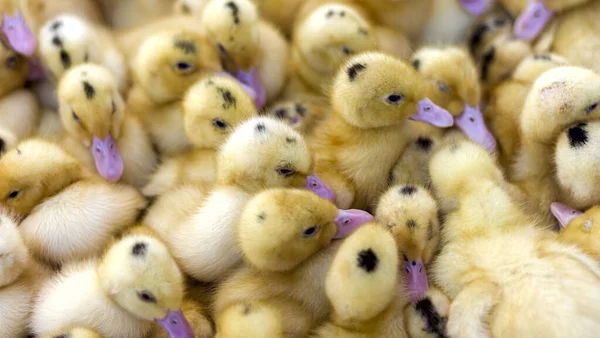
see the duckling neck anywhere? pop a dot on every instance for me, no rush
(314, 79)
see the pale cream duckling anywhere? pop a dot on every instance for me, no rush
(166, 66)
(67, 213)
(121, 14)
(212, 109)
(252, 319)
(373, 96)
(303, 114)
(75, 332)
(427, 318)
(134, 283)
(99, 130)
(286, 265)
(252, 50)
(411, 215)
(506, 277)
(68, 40)
(362, 287)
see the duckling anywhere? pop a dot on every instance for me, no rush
(303, 114)
(75, 332)
(19, 118)
(99, 129)
(212, 108)
(552, 98)
(196, 317)
(14, 70)
(252, 50)
(351, 142)
(411, 215)
(122, 14)
(427, 318)
(279, 258)
(68, 40)
(578, 228)
(456, 78)
(450, 20)
(362, 286)
(486, 27)
(134, 283)
(46, 187)
(167, 64)
(253, 319)
(496, 259)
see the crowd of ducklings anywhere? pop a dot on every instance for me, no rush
(299, 168)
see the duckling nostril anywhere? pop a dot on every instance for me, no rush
(174, 322)
(414, 263)
(472, 119)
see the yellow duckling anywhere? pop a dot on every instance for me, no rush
(14, 70)
(212, 109)
(427, 318)
(134, 283)
(411, 214)
(252, 319)
(19, 118)
(506, 277)
(99, 129)
(122, 14)
(167, 64)
(75, 332)
(67, 213)
(578, 228)
(362, 286)
(279, 258)
(252, 50)
(68, 40)
(364, 125)
(303, 114)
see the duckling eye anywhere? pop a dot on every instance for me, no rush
(310, 232)
(285, 172)
(76, 118)
(13, 194)
(146, 296)
(394, 98)
(183, 66)
(11, 62)
(499, 22)
(220, 124)
(592, 107)
(346, 50)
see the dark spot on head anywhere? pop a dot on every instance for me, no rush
(343, 14)
(139, 249)
(19, 151)
(434, 323)
(488, 57)
(281, 113)
(355, 69)
(443, 87)
(300, 109)
(411, 224)
(545, 57)
(56, 25)
(228, 98)
(290, 140)
(221, 48)
(424, 143)
(363, 31)
(416, 64)
(65, 59)
(210, 83)
(367, 260)
(499, 21)
(185, 8)
(346, 50)
(578, 136)
(235, 11)
(57, 41)
(90, 92)
(408, 190)
(477, 37)
(329, 14)
(246, 309)
(188, 47)
(260, 128)
(2, 146)
(262, 216)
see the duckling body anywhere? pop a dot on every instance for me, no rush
(250, 319)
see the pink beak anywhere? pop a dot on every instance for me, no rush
(532, 21)
(176, 325)
(252, 79)
(433, 114)
(349, 220)
(108, 160)
(475, 7)
(563, 213)
(19, 35)
(314, 184)
(417, 283)
(472, 124)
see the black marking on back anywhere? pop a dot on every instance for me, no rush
(411, 224)
(89, 90)
(65, 59)
(424, 143)
(188, 47)
(139, 249)
(416, 64)
(228, 98)
(235, 11)
(261, 128)
(280, 113)
(329, 14)
(290, 140)
(57, 41)
(300, 109)
(56, 25)
(408, 190)
(355, 69)
(477, 37)
(577, 135)
(434, 323)
(488, 57)
(367, 260)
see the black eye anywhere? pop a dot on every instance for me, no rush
(218, 123)
(183, 66)
(395, 98)
(76, 118)
(592, 107)
(280, 113)
(13, 194)
(346, 50)
(310, 231)
(11, 62)
(285, 172)
(147, 296)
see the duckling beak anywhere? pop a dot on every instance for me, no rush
(472, 124)
(532, 21)
(475, 7)
(417, 283)
(314, 184)
(19, 35)
(563, 213)
(252, 79)
(349, 220)
(108, 160)
(176, 325)
(433, 114)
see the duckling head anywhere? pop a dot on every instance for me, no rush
(299, 114)
(14, 69)
(486, 28)
(19, 35)
(375, 90)
(457, 81)
(168, 63)
(475, 7)
(233, 27)
(140, 275)
(264, 153)
(13, 252)
(250, 319)
(212, 108)
(532, 21)
(92, 110)
(411, 214)
(33, 171)
(330, 34)
(363, 277)
(560, 97)
(67, 41)
(499, 59)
